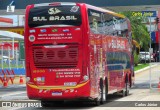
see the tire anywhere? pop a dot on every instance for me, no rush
(97, 102)
(102, 92)
(125, 92)
(122, 93)
(126, 89)
(99, 99)
(126, 86)
(106, 87)
(130, 81)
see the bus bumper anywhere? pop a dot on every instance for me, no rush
(58, 93)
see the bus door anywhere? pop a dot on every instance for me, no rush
(98, 71)
(95, 63)
(95, 49)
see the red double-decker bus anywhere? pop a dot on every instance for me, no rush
(76, 51)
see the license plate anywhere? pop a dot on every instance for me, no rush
(56, 93)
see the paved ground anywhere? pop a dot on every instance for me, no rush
(139, 94)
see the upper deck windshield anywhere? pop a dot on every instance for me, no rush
(54, 15)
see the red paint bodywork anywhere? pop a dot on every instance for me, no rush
(84, 44)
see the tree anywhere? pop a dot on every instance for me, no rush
(139, 30)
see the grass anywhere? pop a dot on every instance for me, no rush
(12, 66)
(140, 66)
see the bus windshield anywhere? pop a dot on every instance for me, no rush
(57, 15)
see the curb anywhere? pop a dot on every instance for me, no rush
(13, 86)
(138, 71)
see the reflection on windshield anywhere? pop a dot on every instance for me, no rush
(65, 16)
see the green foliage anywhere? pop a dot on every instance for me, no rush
(136, 58)
(140, 66)
(12, 66)
(139, 30)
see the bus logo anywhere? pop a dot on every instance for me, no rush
(74, 9)
(52, 11)
(54, 30)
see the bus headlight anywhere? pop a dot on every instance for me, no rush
(31, 38)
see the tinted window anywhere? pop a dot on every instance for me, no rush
(116, 59)
(95, 21)
(114, 25)
(59, 15)
(108, 24)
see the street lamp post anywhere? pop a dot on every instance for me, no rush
(2, 56)
(150, 53)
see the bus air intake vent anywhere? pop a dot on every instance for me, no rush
(39, 54)
(50, 54)
(72, 53)
(61, 54)
(55, 57)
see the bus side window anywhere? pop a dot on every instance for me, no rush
(95, 21)
(108, 24)
(95, 25)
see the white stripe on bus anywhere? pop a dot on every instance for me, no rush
(48, 4)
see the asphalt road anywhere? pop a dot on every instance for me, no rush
(140, 92)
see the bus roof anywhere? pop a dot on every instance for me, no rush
(105, 11)
(54, 4)
(74, 3)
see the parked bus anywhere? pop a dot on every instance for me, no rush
(75, 51)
